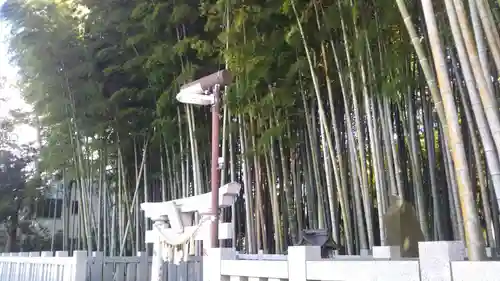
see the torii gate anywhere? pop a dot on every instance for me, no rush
(179, 213)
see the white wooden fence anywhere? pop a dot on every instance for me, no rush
(438, 261)
(81, 267)
(45, 267)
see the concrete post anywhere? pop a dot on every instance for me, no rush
(80, 262)
(297, 257)
(435, 259)
(212, 262)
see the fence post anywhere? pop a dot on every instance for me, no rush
(80, 262)
(297, 257)
(143, 266)
(386, 252)
(46, 254)
(96, 265)
(212, 262)
(435, 259)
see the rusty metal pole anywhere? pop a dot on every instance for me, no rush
(191, 94)
(215, 167)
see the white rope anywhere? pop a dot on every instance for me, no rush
(171, 242)
(181, 238)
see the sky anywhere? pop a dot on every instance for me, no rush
(13, 98)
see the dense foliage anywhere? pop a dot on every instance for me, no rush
(333, 108)
(18, 186)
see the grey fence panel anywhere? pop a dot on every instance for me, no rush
(139, 269)
(191, 270)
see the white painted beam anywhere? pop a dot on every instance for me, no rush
(199, 203)
(225, 232)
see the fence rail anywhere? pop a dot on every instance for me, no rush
(438, 261)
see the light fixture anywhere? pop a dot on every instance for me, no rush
(191, 97)
(194, 92)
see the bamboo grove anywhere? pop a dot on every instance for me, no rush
(335, 106)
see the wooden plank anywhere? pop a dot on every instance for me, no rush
(164, 273)
(131, 272)
(182, 272)
(171, 272)
(95, 264)
(120, 271)
(191, 271)
(107, 272)
(198, 267)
